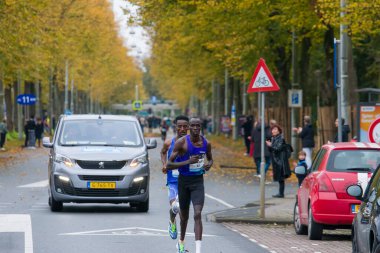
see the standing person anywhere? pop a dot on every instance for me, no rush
(345, 131)
(3, 133)
(247, 130)
(182, 125)
(189, 156)
(280, 162)
(30, 125)
(142, 121)
(307, 135)
(301, 162)
(39, 131)
(256, 139)
(164, 130)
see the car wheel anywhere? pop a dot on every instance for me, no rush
(55, 206)
(315, 229)
(354, 243)
(143, 206)
(298, 227)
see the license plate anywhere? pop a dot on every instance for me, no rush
(355, 208)
(101, 185)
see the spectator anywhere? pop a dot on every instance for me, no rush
(272, 123)
(30, 125)
(247, 130)
(307, 136)
(301, 162)
(142, 121)
(345, 131)
(256, 139)
(39, 131)
(3, 133)
(280, 162)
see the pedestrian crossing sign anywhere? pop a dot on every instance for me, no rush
(137, 105)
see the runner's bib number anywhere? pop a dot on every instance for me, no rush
(175, 173)
(199, 166)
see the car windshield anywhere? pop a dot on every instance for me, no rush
(100, 132)
(354, 160)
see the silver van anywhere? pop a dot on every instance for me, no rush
(99, 159)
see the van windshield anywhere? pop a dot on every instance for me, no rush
(354, 160)
(99, 132)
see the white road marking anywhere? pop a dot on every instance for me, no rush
(263, 246)
(40, 184)
(220, 201)
(132, 231)
(244, 235)
(18, 223)
(253, 240)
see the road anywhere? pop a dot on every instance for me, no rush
(29, 226)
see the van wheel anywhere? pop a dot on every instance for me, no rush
(55, 206)
(298, 227)
(315, 230)
(143, 206)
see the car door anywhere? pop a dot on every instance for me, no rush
(307, 185)
(363, 217)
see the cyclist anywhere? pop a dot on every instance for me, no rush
(189, 156)
(181, 124)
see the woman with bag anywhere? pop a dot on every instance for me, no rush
(280, 159)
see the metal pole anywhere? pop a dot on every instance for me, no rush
(51, 106)
(262, 164)
(244, 98)
(38, 102)
(2, 113)
(137, 92)
(66, 104)
(218, 104)
(19, 109)
(258, 105)
(343, 63)
(293, 112)
(72, 96)
(226, 92)
(338, 87)
(213, 106)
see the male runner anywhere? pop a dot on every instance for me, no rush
(189, 156)
(181, 125)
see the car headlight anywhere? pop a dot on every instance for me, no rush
(139, 160)
(65, 160)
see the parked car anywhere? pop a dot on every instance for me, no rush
(98, 159)
(365, 227)
(322, 201)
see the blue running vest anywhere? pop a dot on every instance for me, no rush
(171, 175)
(197, 168)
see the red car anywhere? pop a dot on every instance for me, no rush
(322, 201)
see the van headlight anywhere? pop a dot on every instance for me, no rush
(65, 160)
(139, 160)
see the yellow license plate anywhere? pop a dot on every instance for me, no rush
(355, 208)
(101, 185)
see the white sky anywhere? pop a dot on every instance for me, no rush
(135, 38)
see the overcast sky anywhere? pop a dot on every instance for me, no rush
(135, 38)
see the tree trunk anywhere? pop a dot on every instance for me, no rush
(9, 106)
(327, 86)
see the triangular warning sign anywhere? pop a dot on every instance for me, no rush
(262, 80)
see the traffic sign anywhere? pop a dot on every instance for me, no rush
(262, 80)
(295, 98)
(374, 131)
(137, 105)
(26, 99)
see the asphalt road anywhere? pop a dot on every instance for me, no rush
(28, 225)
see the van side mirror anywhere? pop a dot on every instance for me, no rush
(355, 191)
(46, 142)
(300, 170)
(151, 143)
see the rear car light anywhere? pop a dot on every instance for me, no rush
(325, 184)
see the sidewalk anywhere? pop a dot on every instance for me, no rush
(277, 211)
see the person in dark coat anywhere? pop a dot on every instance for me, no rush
(256, 139)
(39, 131)
(306, 133)
(345, 131)
(247, 131)
(280, 161)
(30, 125)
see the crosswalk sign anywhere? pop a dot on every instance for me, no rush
(137, 105)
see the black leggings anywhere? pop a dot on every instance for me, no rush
(281, 187)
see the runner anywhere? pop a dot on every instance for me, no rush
(189, 156)
(182, 125)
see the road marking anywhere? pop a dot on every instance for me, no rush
(18, 223)
(263, 246)
(132, 231)
(220, 201)
(40, 184)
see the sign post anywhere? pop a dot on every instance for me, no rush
(262, 81)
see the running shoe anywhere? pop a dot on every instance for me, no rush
(181, 248)
(173, 230)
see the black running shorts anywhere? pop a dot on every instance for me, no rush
(190, 188)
